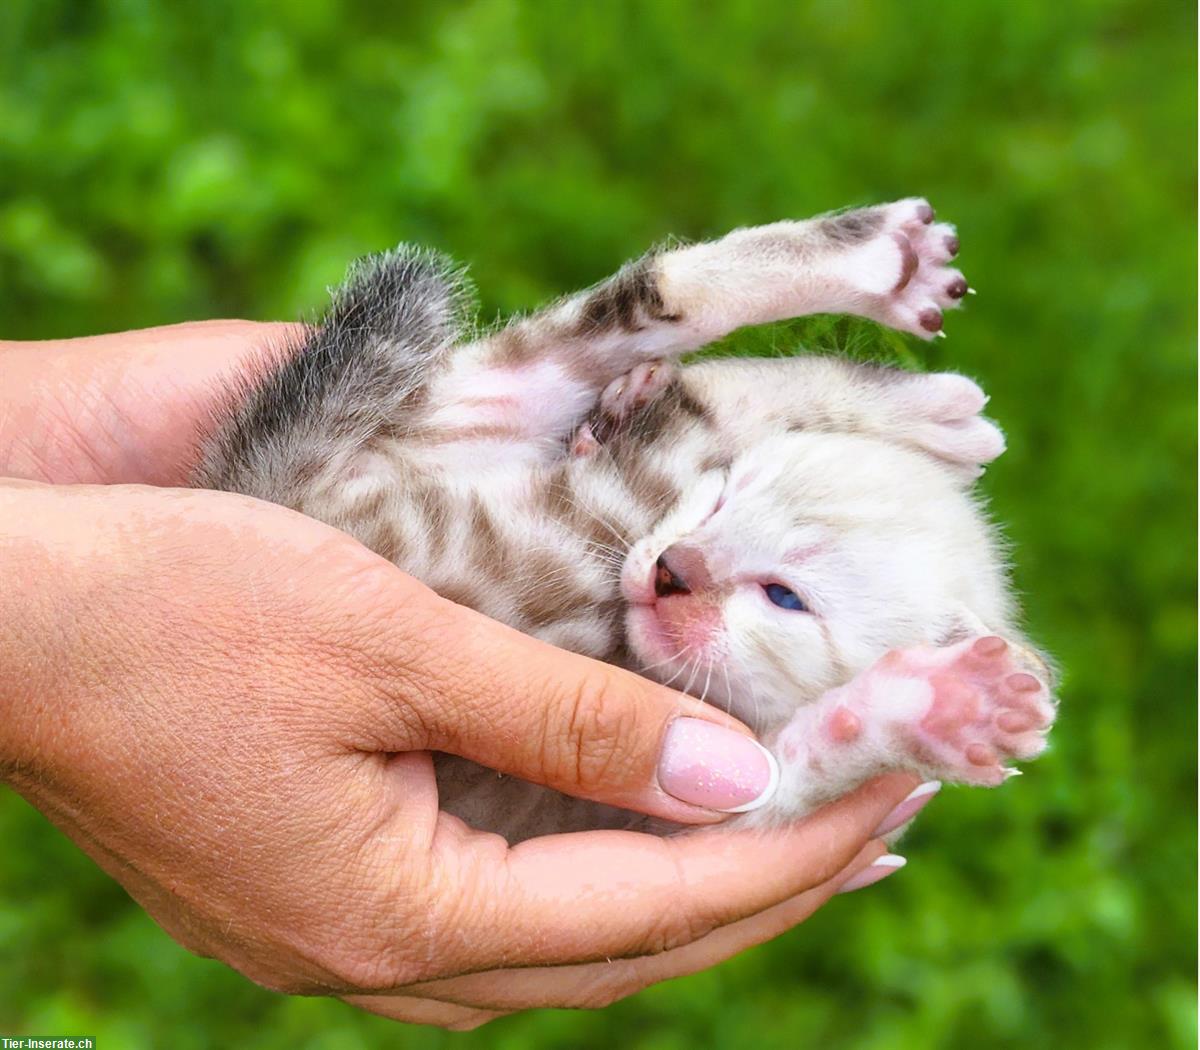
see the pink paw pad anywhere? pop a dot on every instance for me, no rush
(983, 710)
(844, 726)
(584, 442)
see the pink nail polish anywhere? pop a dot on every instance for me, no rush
(714, 767)
(912, 804)
(880, 868)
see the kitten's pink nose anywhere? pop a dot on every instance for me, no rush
(680, 570)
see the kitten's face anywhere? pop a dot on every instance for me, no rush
(798, 567)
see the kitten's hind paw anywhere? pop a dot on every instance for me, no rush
(940, 412)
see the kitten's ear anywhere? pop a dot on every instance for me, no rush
(942, 412)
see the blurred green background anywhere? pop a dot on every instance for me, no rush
(162, 162)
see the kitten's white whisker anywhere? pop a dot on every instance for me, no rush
(707, 681)
(683, 667)
(728, 689)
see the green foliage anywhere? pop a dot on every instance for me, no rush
(162, 162)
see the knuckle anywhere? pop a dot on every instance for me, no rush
(675, 927)
(595, 744)
(368, 970)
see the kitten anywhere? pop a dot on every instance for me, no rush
(794, 540)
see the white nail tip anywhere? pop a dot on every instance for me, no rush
(939, 335)
(930, 787)
(889, 860)
(768, 792)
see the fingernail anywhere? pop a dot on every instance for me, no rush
(912, 804)
(711, 766)
(878, 869)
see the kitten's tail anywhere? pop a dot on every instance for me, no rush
(358, 374)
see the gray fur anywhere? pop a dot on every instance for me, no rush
(359, 374)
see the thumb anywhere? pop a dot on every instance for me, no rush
(488, 693)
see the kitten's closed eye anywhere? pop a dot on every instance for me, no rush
(784, 598)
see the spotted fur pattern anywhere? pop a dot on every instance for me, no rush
(536, 473)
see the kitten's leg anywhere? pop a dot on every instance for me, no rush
(887, 263)
(955, 713)
(539, 377)
(938, 413)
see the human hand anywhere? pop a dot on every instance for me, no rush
(245, 747)
(128, 407)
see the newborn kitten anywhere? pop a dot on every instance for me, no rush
(793, 540)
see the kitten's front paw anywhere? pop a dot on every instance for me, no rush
(621, 399)
(900, 267)
(959, 712)
(637, 388)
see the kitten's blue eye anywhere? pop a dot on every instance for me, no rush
(784, 598)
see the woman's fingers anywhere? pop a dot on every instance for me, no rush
(611, 895)
(599, 984)
(126, 407)
(416, 1010)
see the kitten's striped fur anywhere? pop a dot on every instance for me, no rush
(536, 473)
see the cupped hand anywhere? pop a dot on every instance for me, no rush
(231, 708)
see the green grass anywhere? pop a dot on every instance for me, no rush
(162, 162)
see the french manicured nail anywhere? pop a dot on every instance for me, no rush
(912, 804)
(711, 766)
(878, 869)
